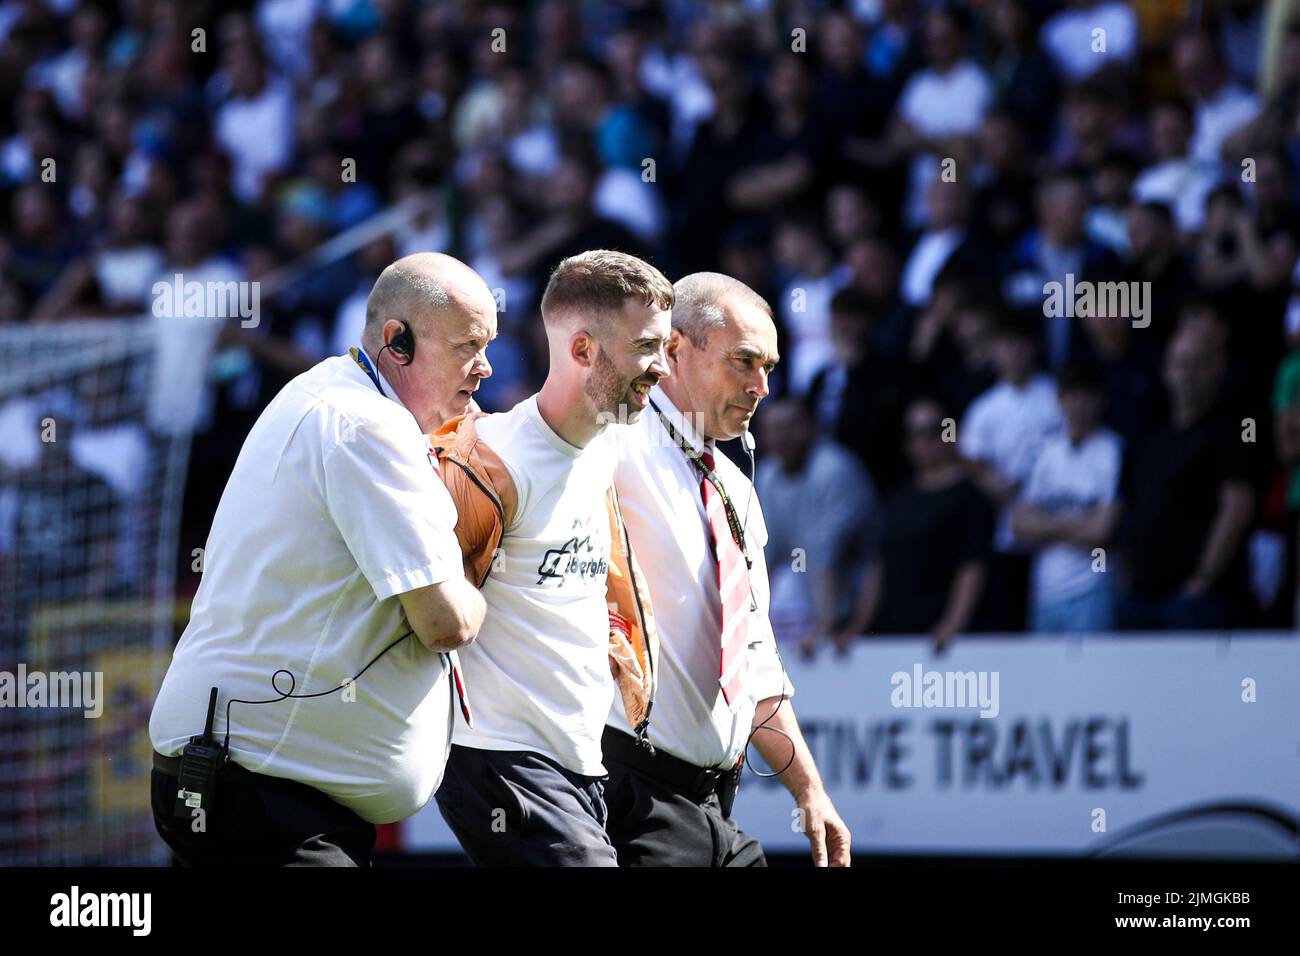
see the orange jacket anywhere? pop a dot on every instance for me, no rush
(486, 502)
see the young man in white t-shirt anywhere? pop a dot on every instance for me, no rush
(1000, 437)
(541, 535)
(1068, 509)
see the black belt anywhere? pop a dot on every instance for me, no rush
(172, 767)
(699, 782)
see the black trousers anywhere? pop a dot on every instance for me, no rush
(518, 808)
(656, 823)
(262, 821)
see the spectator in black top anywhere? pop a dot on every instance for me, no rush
(719, 145)
(1023, 76)
(951, 342)
(569, 224)
(873, 268)
(929, 573)
(844, 79)
(1004, 182)
(858, 397)
(1156, 258)
(1188, 500)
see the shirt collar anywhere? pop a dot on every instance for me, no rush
(685, 424)
(366, 362)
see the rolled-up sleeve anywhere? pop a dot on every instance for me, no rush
(396, 517)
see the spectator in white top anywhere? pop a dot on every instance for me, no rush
(946, 229)
(1068, 509)
(333, 544)
(64, 74)
(942, 106)
(814, 278)
(255, 123)
(1221, 106)
(181, 399)
(1000, 437)
(1177, 179)
(1090, 34)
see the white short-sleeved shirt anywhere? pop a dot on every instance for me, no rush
(538, 673)
(659, 495)
(1070, 479)
(1007, 426)
(331, 511)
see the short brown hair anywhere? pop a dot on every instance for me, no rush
(597, 283)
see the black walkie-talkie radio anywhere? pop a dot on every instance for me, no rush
(201, 763)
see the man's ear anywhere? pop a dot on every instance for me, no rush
(675, 340)
(390, 330)
(582, 349)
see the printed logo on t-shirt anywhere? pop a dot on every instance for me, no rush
(579, 557)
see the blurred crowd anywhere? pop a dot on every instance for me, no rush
(944, 451)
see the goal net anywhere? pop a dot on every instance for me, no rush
(90, 499)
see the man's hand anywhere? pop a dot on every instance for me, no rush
(776, 732)
(942, 636)
(826, 832)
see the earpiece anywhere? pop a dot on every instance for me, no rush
(403, 344)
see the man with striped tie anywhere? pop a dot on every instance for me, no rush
(699, 534)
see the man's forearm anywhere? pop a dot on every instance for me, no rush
(825, 598)
(1226, 533)
(800, 777)
(1035, 525)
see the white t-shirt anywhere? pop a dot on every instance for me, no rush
(331, 511)
(257, 133)
(538, 673)
(1218, 118)
(1068, 38)
(659, 495)
(1070, 480)
(1007, 426)
(928, 256)
(809, 324)
(939, 105)
(181, 395)
(1182, 184)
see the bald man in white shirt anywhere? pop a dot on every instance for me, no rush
(698, 532)
(332, 600)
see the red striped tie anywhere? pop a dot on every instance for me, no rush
(733, 588)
